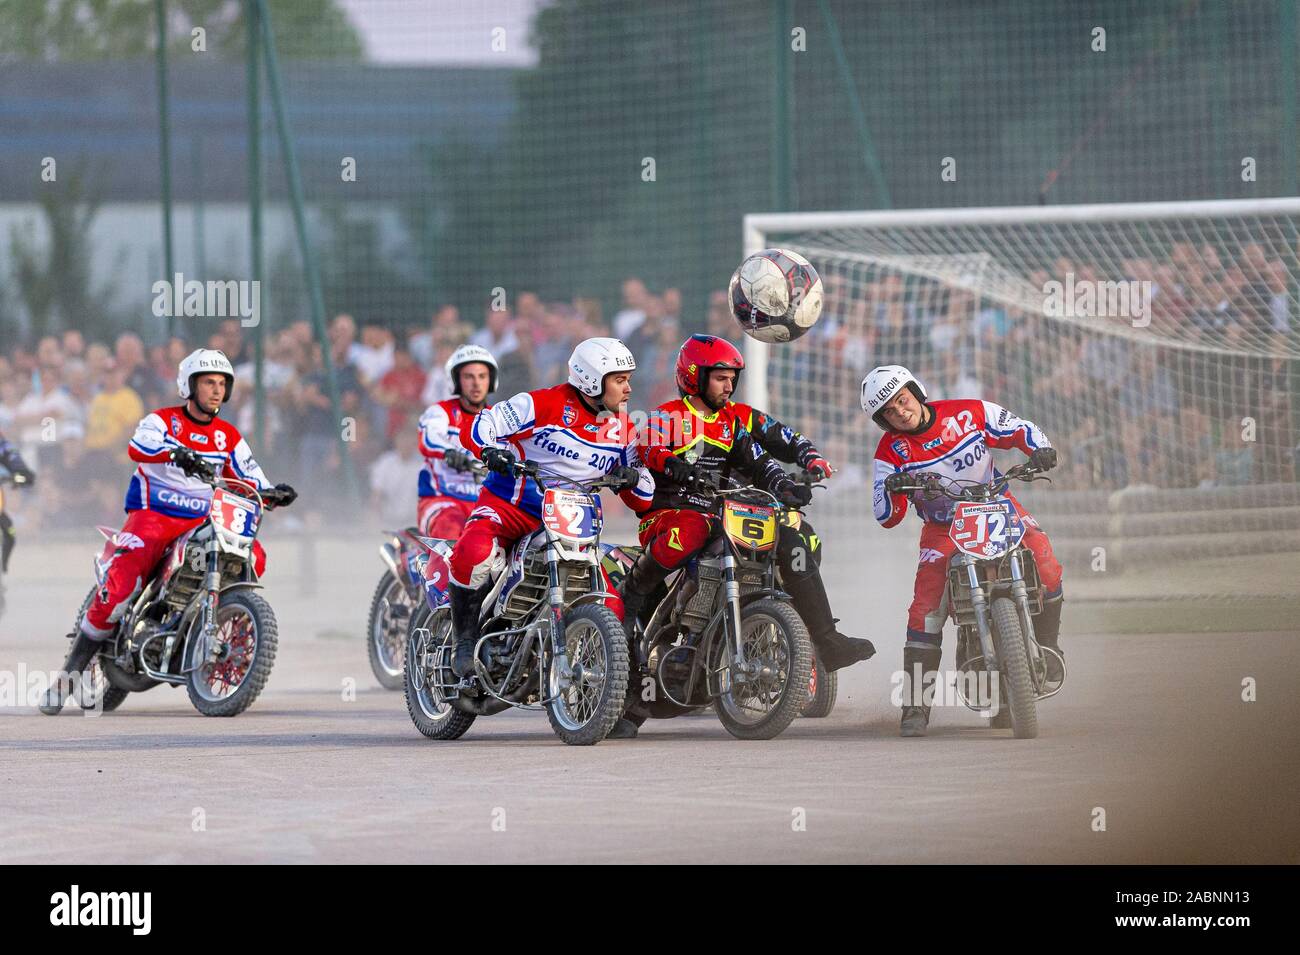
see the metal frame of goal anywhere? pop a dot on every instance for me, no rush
(1179, 402)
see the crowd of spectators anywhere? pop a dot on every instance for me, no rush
(1202, 396)
(71, 405)
(1165, 408)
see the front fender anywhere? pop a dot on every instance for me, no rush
(241, 584)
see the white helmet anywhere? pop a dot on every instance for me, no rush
(882, 384)
(204, 361)
(467, 355)
(595, 358)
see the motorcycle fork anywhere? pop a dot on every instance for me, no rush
(212, 586)
(555, 597)
(1020, 595)
(980, 605)
(731, 593)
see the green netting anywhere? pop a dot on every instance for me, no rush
(537, 178)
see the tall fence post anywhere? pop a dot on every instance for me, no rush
(300, 225)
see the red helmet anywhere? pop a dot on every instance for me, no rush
(699, 354)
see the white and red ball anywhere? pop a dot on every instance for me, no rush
(776, 295)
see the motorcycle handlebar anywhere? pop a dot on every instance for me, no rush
(938, 485)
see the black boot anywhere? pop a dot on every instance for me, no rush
(1047, 630)
(645, 577)
(465, 607)
(918, 661)
(836, 650)
(83, 649)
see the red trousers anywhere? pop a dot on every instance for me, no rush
(926, 616)
(492, 529)
(673, 536)
(443, 517)
(135, 553)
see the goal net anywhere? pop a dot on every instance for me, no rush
(1158, 345)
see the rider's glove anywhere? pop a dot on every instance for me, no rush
(686, 474)
(896, 481)
(819, 466)
(499, 460)
(1044, 459)
(791, 494)
(458, 460)
(12, 462)
(190, 462)
(286, 495)
(623, 479)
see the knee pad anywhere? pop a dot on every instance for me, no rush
(476, 559)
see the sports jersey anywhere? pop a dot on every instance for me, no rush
(955, 445)
(716, 442)
(440, 429)
(158, 485)
(782, 442)
(554, 428)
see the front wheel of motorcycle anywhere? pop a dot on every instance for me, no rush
(386, 630)
(586, 699)
(762, 701)
(427, 666)
(1017, 689)
(226, 683)
(823, 687)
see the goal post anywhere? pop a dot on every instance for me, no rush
(1157, 344)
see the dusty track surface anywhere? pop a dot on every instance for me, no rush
(1151, 729)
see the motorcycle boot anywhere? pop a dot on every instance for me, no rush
(919, 661)
(466, 605)
(636, 589)
(79, 656)
(1047, 630)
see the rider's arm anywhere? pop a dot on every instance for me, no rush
(434, 424)
(889, 508)
(655, 443)
(748, 457)
(492, 427)
(1002, 429)
(242, 466)
(639, 497)
(151, 443)
(782, 442)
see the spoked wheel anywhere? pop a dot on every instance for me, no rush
(226, 681)
(587, 697)
(761, 701)
(1015, 688)
(823, 686)
(386, 631)
(428, 664)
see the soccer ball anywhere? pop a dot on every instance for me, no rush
(776, 295)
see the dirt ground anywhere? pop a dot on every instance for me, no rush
(1149, 754)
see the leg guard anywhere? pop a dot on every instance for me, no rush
(83, 649)
(918, 662)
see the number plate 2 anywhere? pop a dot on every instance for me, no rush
(986, 530)
(751, 526)
(572, 515)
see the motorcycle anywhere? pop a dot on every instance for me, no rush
(17, 479)
(725, 634)
(993, 595)
(198, 621)
(397, 597)
(546, 639)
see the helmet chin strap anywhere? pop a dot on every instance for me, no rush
(191, 403)
(927, 418)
